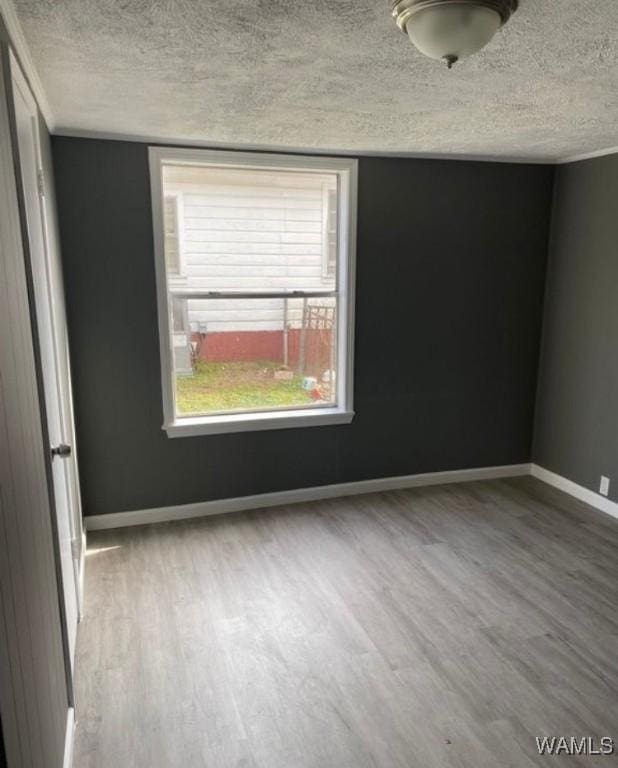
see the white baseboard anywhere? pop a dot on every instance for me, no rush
(573, 489)
(69, 739)
(242, 503)
(81, 579)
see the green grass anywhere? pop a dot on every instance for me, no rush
(237, 386)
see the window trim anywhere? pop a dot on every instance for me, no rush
(326, 193)
(347, 182)
(177, 197)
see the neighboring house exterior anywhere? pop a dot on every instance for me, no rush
(247, 232)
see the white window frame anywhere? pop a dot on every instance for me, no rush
(326, 193)
(179, 213)
(346, 170)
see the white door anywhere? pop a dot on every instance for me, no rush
(52, 355)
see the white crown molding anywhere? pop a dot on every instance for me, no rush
(205, 144)
(24, 57)
(316, 493)
(587, 156)
(573, 489)
(76, 133)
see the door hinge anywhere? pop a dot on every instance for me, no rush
(40, 178)
(76, 548)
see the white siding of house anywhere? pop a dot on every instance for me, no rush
(264, 234)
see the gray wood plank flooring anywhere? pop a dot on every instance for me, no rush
(441, 627)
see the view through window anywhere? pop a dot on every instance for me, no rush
(252, 280)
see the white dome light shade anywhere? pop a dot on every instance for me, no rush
(452, 32)
(451, 29)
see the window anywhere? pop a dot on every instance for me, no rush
(255, 276)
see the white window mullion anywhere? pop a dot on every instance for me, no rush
(183, 293)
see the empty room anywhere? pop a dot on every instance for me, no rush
(308, 384)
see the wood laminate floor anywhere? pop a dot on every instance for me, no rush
(430, 628)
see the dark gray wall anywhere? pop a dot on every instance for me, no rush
(577, 414)
(451, 268)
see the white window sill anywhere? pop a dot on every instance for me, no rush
(251, 422)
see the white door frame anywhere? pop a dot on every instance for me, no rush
(48, 286)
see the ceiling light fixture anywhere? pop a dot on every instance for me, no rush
(451, 29)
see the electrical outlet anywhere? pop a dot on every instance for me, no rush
(604, 489)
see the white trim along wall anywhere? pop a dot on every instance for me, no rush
(280, 498)
(573, 489)
(241, 503)
(78, 133)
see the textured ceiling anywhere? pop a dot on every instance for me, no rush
(327, 74)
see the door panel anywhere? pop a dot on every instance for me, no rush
(27, 124)
(34, 702)
(64, 362)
